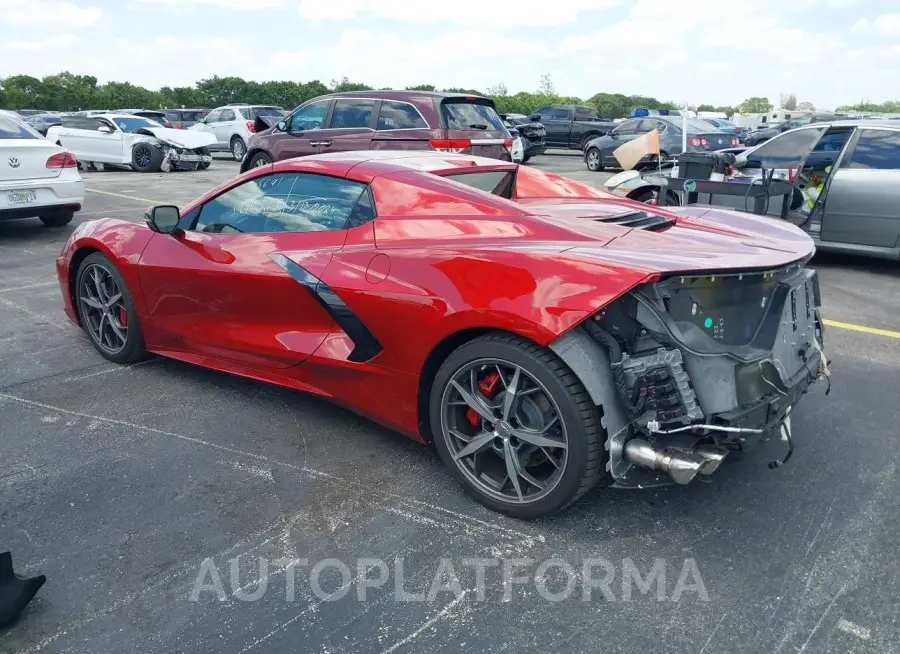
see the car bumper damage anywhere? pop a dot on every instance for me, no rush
(176, 158)
(690, 369)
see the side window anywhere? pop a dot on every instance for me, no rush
(227, 114)
(399, 115)
(283, 202)
(309, 117)
(660, 126)
(787, 147)
(644, 127)
(832, 142)
(545, 112)
(626, 128)
(214, 116)
(561, 114)
(877, 149)
(351, 113)
(583, 113)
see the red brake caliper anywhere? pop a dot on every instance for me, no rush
(486, 388)
(123, 317)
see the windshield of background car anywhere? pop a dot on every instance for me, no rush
(266, 111)
(13, 129)
(469, 115)
(135, 123)
(695, 125)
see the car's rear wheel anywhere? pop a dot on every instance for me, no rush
(648, 196)
(587, 139)
(107, 310)
(516, 426)
(238, 148)
(58, 219)
(146, 158)
(594, 160)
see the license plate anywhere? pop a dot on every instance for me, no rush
(21, 197)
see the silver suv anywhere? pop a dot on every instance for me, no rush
(233, 124)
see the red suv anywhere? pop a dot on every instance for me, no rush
(384, 120)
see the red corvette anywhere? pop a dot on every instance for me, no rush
(542, 334)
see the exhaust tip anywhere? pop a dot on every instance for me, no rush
(712, 458)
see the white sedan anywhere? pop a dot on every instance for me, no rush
(131, 141)
(37, 177)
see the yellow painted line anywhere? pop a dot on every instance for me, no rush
(120, 195)
(861, 328)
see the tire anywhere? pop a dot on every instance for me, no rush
(111, 347)
(258, 159)
(58, 219)
(526, 159)
(203, 165)
(146, 158)
(577, 421)
(238, 148)
(594, 160)
(587, 139)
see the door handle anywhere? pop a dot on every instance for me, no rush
(322, 143)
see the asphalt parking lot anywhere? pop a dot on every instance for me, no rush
(135, 489)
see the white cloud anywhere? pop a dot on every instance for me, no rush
(465, 12)
(43, 12)
(884, 25)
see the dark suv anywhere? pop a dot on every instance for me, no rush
(184, 118)
(384, 120)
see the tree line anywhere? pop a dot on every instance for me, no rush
(69, 92)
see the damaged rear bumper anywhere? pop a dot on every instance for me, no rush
(690, 368)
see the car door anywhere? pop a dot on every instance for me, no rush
(558, 123)
(239, 282)
(208, 125)
(627, 131)
(304, 131)
(351, 125)
(224, 127)
(108, 141)
(862, 202)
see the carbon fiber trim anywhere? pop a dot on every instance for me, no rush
(366, 346)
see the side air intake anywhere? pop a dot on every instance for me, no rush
(639, 220)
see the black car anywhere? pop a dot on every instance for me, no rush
(764, 134)
(184, 118)
(533, 134)
(42, 122)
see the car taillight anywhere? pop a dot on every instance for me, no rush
(451, 145)
(734, 142)
(508, 143)
(62, 160)
(694, 141)
(168, 123)
(251, 125)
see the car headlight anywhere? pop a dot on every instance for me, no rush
(621, 178)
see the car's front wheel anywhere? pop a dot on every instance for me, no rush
(594, 160)
(259, 159)
(107, 310)
(516, 426)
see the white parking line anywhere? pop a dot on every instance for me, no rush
(28, 286)
(854, 629)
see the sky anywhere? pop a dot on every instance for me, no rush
(828, 52)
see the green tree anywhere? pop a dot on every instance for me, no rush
(344, 85)
(788, 101)
(756, 105)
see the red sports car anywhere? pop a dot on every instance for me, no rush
(544, 335)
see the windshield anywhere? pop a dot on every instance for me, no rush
(10, 128)
(134, 123)
(694, 125)
(470, 115)
(266, 111)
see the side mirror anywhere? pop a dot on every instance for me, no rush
(282, 126)
(613, 135)
(164, 218)
(104, 129)
(534, 117)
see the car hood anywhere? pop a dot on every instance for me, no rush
(703, 238)
(181, 138)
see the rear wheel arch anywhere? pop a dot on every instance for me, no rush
(436, 358)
